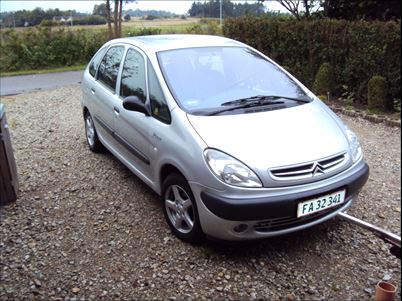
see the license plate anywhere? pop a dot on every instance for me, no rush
(321, 203)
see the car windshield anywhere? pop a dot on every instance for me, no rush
(205, 78)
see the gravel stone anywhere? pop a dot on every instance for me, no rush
(85, 228)
(387, 277)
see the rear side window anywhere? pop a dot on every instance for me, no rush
(133, 82)
(109, 66)
(93, 66)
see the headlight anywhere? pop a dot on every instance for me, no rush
(354, 145)
(230, 170)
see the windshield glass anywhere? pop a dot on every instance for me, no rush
(204, 78)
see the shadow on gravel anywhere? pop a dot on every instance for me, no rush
(128, 175)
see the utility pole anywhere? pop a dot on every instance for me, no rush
(220, 13)
(71, 14)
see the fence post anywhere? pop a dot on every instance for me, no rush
(8, 169)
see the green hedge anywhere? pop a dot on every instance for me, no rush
(89, 20)
(355, 50)
(43, 47)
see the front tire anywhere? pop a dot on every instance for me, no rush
(180, 209)
(93, 141)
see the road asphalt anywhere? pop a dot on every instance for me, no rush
(27, 83)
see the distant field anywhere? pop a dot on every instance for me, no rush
(166, 25)
(160, 22)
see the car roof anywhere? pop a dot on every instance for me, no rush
(158, 43)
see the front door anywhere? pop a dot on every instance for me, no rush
(132, 128)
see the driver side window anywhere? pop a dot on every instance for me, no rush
(159, 107)
(133, 80)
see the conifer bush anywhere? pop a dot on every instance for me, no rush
(377, 93)
(324, 80)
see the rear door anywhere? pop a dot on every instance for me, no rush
(89, 80)
(104, 91)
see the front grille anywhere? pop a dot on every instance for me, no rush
(276, 224)
(308, 170)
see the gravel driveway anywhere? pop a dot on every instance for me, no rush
(85, 228)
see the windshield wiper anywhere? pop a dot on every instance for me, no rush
(244, 105)
(262, 99)
(254, 101)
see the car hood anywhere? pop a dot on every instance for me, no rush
(274, 138)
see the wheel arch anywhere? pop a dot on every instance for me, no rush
(84, 111)
(166, 170)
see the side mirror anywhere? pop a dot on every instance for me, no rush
(133, 103)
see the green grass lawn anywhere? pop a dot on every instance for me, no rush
(40, 71)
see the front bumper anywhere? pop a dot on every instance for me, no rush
(272, 215)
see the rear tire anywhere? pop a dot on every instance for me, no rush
(180, 209)
(93, 141)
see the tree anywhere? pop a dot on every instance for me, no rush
(115, 30)
(127, 17)
(99, 10)
(301, 8)
(34, 17)
(229, 9)
(108, 19)
(118, 5)
(363, 9)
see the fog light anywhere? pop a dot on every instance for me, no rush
(240, 228)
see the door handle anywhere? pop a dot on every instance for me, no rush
(92, 90)
(116, 110)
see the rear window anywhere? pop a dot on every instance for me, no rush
(109, 66)
(93, 66)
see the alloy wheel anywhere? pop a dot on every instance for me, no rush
(90, 130)
(179, 209)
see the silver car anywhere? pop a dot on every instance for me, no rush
(236, 146)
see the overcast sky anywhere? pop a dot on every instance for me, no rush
(85, 6)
